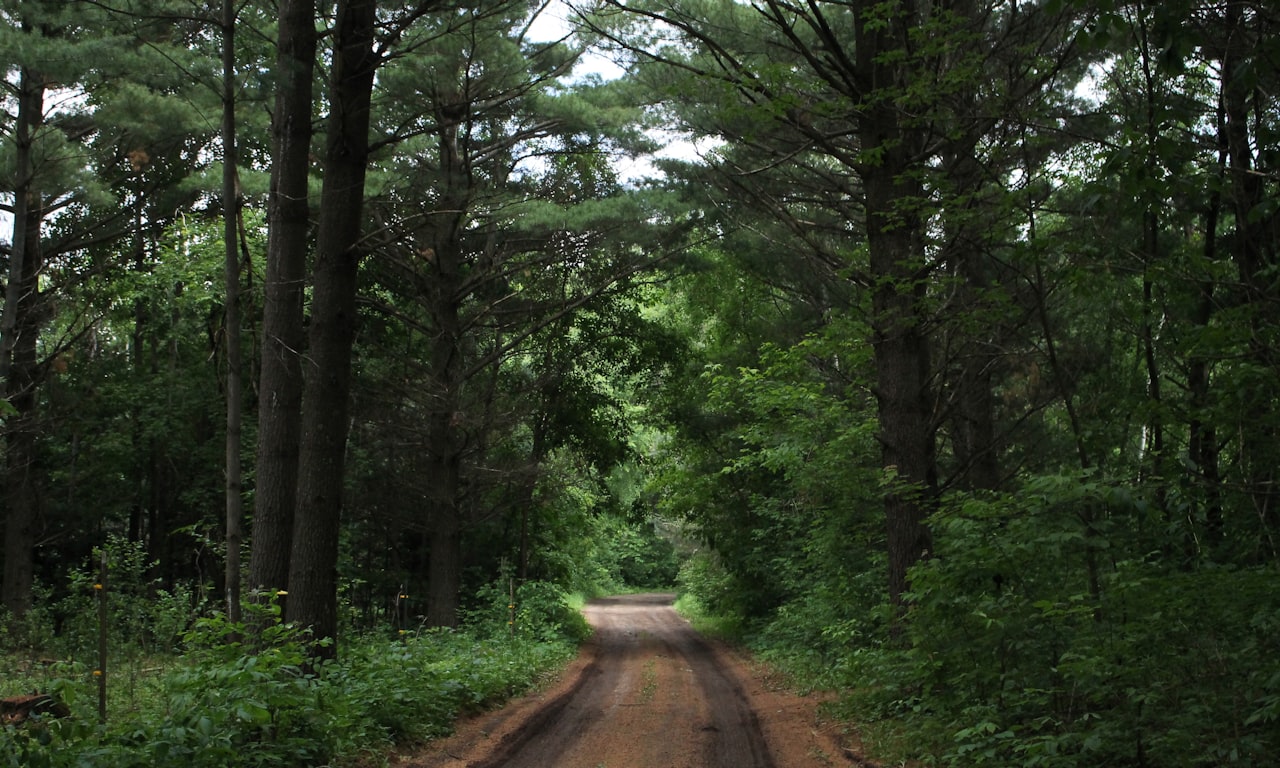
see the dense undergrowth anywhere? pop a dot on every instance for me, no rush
(1032, 639)
(224, 696)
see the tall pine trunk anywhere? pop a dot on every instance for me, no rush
(317, 516)
(280, 374)
(444, 461)
(972, 404)
(231, 323)
(901, 347)
(902, 389)
(19, 369)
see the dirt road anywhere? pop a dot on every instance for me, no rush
(647, 692)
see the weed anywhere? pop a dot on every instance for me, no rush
(236, 698)
(650, 676)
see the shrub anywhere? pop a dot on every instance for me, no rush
(1016, 659)
(240, 699)
(535, 610)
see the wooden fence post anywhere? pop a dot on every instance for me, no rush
(103, 626)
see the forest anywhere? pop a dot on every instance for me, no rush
(929, 348)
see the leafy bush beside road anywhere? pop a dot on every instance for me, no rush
(258, 702)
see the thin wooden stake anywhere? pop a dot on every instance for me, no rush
(103, 625)
(511, 606)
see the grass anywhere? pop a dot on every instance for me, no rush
(722, 627)
(650, 677)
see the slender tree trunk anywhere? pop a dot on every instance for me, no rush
(975, 439)
(1150, 257)
(1155, 423)
(19, 329)
(141, 453)
(147, 465)
(231, 326)
(537, 455)
(321, 463)
(1202, 438)
(973, 406)
(1087, 513)
(280, 382)
(31, 89)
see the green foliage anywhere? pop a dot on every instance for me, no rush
(143, 618)
(725, 626)
(1014, 661)
(228, 696)
(635, 555)
(777, 482)
(713, 590)
(134, 446)
(235, 698)
(534, 610)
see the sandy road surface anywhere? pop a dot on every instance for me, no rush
(647, 692)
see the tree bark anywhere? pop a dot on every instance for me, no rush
(231, 320)
(444, 460)
(443, 474)
(973, 401)
(1155, 428)
(1202, 438)
(314, 554)
(901, 348)
(19, 370)
(280, 375)
(903, 403)
(444, 516)
(444, 568)
(22, 497)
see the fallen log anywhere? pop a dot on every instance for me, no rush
(19, 709)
